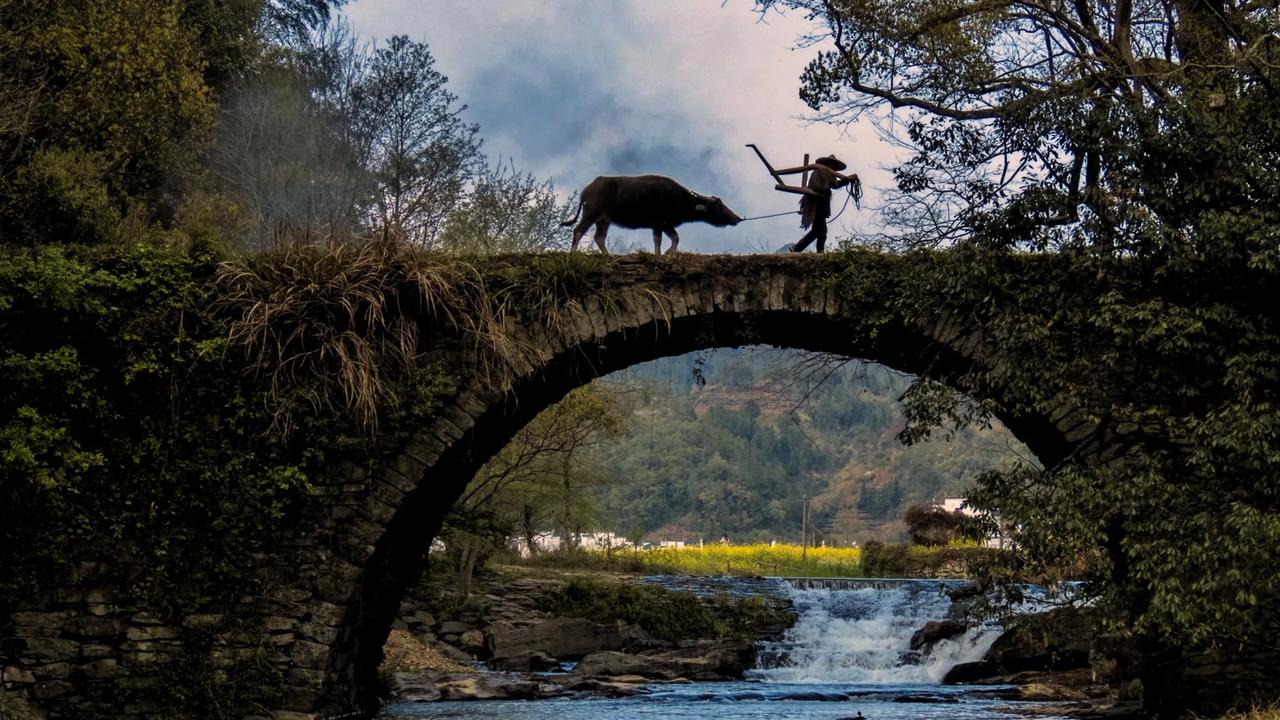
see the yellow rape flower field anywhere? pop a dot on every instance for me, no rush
(762, 559)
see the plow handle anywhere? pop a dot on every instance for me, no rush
(767, 166)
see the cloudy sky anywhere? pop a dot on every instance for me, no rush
(572, 89)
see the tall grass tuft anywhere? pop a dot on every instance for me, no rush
(1257, 712)
(553, 287)
(330, 326)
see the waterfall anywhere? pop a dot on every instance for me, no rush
(859, 631)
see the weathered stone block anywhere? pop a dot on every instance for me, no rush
(58, 671)
(324, 613)
(51, 648)
(152, 633)
(309, 654)
(99, 669)
(17, 675)
(92, 626)
(317, 632)
(51, 689)
(38, 623)
(305, 677)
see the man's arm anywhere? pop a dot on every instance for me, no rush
(842, 180)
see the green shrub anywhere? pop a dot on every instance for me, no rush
(665, 614)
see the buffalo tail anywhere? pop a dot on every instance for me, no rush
(574, 219)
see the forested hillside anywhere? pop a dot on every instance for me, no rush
(736, 441)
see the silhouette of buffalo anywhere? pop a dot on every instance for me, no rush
(645, 201)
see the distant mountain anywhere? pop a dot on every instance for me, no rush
(735, 442)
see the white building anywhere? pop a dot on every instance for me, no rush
(995, 539)
(551, 542)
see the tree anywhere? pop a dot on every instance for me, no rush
(1135, 128)
(933, 526)
(540, 479)
(115, 108)
(286, 143)
(507, 211)
(420, 152)
(289, 22)
(108, 107)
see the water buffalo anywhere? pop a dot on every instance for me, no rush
(645, 201)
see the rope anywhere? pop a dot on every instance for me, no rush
(855, 193)
(761, 217)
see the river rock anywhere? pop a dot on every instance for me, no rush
(930, 699)
(636, 640)
(472, 640)
(495, 686)
(705, 661)
(970, 672)
(451, 652)
(607, 687)
(936, 631)
(1060, 639)
(453, 627)
(1043, 692)
(566, 638)
(527, 661)
(414, 688)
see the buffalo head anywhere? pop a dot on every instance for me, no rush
(713, 211)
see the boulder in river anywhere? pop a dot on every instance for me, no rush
(1043, 692)
(527, 661)
(705, 661)
(565, 638)
(936, 631)
(1060, 639)
(970, 672)
(495, 686)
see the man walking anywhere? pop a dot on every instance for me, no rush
(815, 206)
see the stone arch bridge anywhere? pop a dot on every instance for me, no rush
(334, 587)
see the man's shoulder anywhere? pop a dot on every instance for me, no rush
(821, 175)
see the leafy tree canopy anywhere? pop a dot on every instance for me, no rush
(1142, 128)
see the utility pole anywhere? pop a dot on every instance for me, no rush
(804, 529)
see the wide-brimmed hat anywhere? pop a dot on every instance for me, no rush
(832, 162)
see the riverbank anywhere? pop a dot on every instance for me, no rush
(614, 634)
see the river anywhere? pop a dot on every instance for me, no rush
(849, 652)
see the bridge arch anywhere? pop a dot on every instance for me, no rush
(641, 309)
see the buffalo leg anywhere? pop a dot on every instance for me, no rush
(589, 218)
(579, 230)
(657, 241)
(675, 240)
(602, 231)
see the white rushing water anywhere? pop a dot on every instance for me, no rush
(862, 634)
